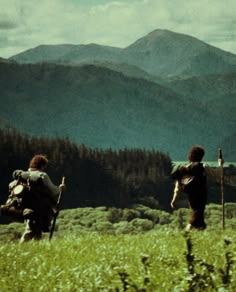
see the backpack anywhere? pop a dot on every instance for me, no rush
(24, 192)
(187, 183)
(18, 193)
(29, 196)
(186, 176)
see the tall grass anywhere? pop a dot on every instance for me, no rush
(158, 260)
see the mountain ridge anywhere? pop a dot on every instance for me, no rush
(131, 112)
(165, 91)
(161, 53)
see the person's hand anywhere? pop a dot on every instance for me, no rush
(62, 187)
(221, 161)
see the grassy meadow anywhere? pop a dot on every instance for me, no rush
(94, 250)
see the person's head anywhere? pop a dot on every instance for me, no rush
(196, 153)
(39, 162)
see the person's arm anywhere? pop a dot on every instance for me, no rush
(175, 195)
(53, 189)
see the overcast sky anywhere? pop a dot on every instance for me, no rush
(26, 24)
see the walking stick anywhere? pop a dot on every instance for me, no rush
(221, 164)
(57, 209)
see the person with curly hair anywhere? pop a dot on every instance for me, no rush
(191, 179)
(35, 203)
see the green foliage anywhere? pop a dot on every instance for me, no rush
(114, 215)
(103, 227)
(139, 219)
(97, 177)
(198, 280)
(142, 224)
(204, 274)
(226, 272)
(153, 215)
(124, 227)
(161, 260)
(130, 214)
(181, 217)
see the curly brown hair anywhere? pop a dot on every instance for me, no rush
(38, 161)
(196, 153)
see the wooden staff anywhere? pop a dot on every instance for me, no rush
(221, 164)
(57, 209)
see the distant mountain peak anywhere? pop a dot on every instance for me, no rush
(163, 37)
(161, 53)
(167, 32)
(161, 32)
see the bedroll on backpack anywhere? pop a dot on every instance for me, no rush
(16, 201)
(20, 192)
(24, 194)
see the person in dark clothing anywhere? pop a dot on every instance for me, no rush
(36, 208)
(191, 179)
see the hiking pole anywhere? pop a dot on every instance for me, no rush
(221, 164)
(57, 209)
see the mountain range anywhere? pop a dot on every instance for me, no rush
(165, 91)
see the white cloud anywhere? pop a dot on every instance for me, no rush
(28, 23)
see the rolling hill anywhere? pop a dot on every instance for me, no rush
(165, 91)
(103, 108)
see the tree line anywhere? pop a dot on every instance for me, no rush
(94, 177)
(98, 177)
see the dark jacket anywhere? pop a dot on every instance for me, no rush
(197, 191)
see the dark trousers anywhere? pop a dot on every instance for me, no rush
(197, 219)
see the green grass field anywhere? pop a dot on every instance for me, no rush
(158, 260)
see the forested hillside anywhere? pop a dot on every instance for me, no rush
(96, 177)
(165, 91)
(103, 108)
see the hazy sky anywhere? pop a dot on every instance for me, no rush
(28, 23)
